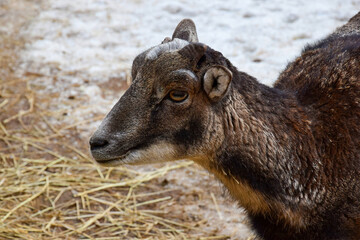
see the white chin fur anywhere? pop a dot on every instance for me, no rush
(159, 152)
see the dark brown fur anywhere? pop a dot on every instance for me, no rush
(290, 155)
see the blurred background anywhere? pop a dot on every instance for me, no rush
(63, 64)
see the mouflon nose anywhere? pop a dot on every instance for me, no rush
(97, 143)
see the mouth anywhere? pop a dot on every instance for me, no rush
(113, 161)
(159, 152)
(126, 158)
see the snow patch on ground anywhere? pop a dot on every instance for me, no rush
(99, 39)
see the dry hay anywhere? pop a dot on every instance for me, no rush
(51, 189)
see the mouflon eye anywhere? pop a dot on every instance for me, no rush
(178, 96)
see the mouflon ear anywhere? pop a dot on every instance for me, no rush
(193, 52)
(216, 82)
(186, 30)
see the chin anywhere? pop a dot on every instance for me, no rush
(155, 153)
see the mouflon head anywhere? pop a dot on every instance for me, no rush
(164, 115)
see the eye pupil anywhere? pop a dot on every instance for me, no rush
(178, 96)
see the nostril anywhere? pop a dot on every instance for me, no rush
(97, 143)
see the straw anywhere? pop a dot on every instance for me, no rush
(50, 188)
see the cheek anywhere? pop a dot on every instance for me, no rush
(169, 116)
(183, 125)
(191, 133)
(164, 120)
(194, 128)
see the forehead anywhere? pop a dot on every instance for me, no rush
(168, 70)
(172, 46)
(160, 64)
(168, 62)
(168, 67)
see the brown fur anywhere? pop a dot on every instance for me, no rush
(289, 155)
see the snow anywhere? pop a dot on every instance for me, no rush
(99, 39)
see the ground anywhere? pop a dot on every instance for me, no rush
(63, 64)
